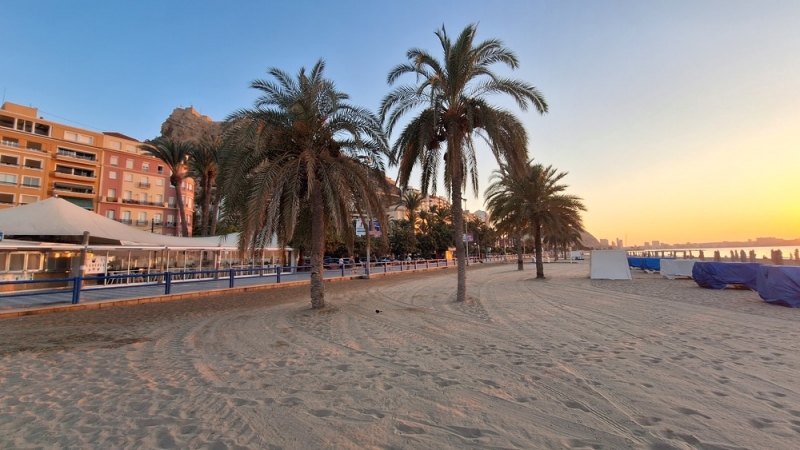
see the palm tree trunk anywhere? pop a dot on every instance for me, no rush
(537, 245)
(215, 217)
(181, 207)
(317, 251)
(454, 153)
(519, 251)
(206, 206)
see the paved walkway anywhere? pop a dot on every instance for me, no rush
(22, 303)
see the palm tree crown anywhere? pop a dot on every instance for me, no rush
(450, 96)
(530, 200)
(303, 155)
(174, 154)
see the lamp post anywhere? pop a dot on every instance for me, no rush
(466, 239)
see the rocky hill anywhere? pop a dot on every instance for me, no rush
(186, 124)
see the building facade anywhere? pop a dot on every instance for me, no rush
(102, 172)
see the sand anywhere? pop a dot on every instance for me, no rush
(567, 362)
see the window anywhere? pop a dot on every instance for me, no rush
(34, 146)
(129, 164)
(8, 178)
(34, 261)
(126, 217)
(183, 185)
(76, 137)
(191, 187)
(143, 197)
(33, 163)
(35, 182)
(10, 142)
(24, 125)
(77, 171)
(25, 199)
(114, 161)
(128, 177)
(128, 195)
(172, 202)
(42, 129)
(112, 193)
(161, 170)
(170, 219)
(159, 199)
(157, 218)
(7, 198)
(145, 167)
(6, 122)
(142, 219)
(160, 182)
(130, 148)
(110, 214)
(116, 145)
(145, 182)
(9, 160)
(112, 175)
(17, 262)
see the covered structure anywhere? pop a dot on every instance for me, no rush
(45, 242)
(609, 265)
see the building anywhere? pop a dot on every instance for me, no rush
(102, 172)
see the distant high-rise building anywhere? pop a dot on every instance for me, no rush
(656, 244)
(603, 243)
(620, 244)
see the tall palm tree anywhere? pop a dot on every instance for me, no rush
(203, 164)
(301, 155)
(529, 200)
(174, 154)
(450, 95)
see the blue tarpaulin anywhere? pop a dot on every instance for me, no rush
(779, 285)
(717, 275)
(644, 263)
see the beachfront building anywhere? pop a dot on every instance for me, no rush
(135, 188)
(102, 172)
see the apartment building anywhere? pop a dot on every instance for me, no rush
(102, 172)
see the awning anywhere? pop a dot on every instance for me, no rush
(85, 203)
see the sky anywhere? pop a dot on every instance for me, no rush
(677, 121)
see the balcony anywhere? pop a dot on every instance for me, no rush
(130, 201)
(74, 189)
(143, 185)
(112, 199)
(157, 223)
(126, 221)
(73, 175)
(70, 154)
(170, 225)
(142, 223)
(11, 144)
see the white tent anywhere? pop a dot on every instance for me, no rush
(609, 265)
(57, 220)
(674, 268)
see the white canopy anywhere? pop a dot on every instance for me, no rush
(58, 220)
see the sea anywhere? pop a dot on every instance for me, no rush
(708, 252)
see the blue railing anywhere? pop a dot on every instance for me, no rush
(76, 285)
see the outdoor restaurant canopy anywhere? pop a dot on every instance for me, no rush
(57, 220)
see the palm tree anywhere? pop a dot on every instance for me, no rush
(529, 200)
(303, 155)
(411, 201)
(174, 154)
(451, 95)
(203, 164)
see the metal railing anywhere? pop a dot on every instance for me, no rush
(143, 279)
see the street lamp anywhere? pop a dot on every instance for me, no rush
(466, 239)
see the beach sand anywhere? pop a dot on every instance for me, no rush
(566, 362)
